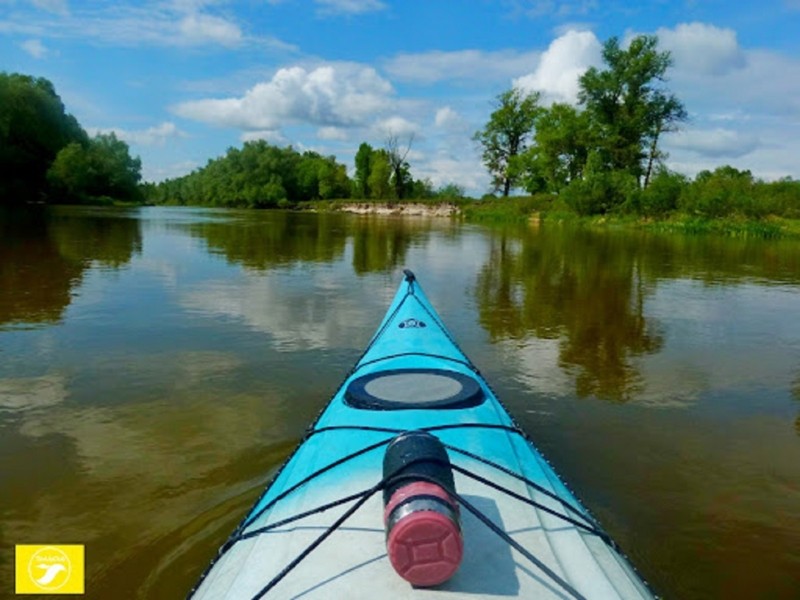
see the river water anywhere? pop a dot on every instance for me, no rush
(157, 365)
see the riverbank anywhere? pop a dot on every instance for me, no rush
(536, 210)
(413, 208)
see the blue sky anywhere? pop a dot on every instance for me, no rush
(183, 80)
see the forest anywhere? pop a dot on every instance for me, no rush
(602, 156)
(47, 157)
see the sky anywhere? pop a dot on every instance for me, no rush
(181, 81)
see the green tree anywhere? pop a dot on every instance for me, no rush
(379, 174)
(723, 192)
(626, 106)
(96, 171)
(661, 196)
(422, 188)
(362, 160)
(559, 153)
(258, 175)
(33, 128)
(451, 191)
(333, 180)
(506, 133)
(665, 115)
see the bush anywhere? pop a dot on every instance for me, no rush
(781, 198)
(725, 192)
(601, 192)
(662, 195)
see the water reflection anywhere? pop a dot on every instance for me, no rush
(582, 289)
(276, 238)
(596, 302)
(120, 478)
(313, 311)
(380, 245)
(44, 254)
(194, 353)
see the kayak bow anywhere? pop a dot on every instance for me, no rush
(415, 482)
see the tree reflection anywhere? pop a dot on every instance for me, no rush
(108, 237)
(381, 244)
(581, 288)
(263, 241)
(44, 253)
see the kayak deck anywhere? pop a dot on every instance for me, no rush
(552, 547)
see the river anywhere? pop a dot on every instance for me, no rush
(158, 364)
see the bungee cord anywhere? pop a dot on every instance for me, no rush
(361, 498)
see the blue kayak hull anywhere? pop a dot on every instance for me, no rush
(414, 376)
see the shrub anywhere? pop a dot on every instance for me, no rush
(661, 196)
(601, 192)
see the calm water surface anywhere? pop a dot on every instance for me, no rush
(157, 365)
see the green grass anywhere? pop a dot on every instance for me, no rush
(767, 228)
(544, 208)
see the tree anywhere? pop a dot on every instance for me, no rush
(400, 171)
(360, 182)
(450, 191)
(33, 128)
(101, 168)
(506, 134)
(333, 180)
(379, 174)
(667, 112)
(559, 153)
(627, 108)
(258, 175)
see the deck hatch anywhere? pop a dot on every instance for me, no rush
(400, 389)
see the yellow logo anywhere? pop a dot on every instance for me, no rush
(49, 569)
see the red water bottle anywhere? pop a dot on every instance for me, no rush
(423, 530)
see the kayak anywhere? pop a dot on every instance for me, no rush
(416, 482)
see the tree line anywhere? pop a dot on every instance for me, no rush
(261, 175)
(604, 154)
(599, 156)
(46, 156)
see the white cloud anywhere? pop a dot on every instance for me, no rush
(341, 94)
(474, 67)
(198, 29)
(177, 23)
(35, 48)
(561, 65)
(714, 143)
(157, 171)
(703, 49)
(351, 7)
(332, 133)
(446, 118)
(463, 168)
(746, 116)
(397, 126)
(273, 136)
(152, 136)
